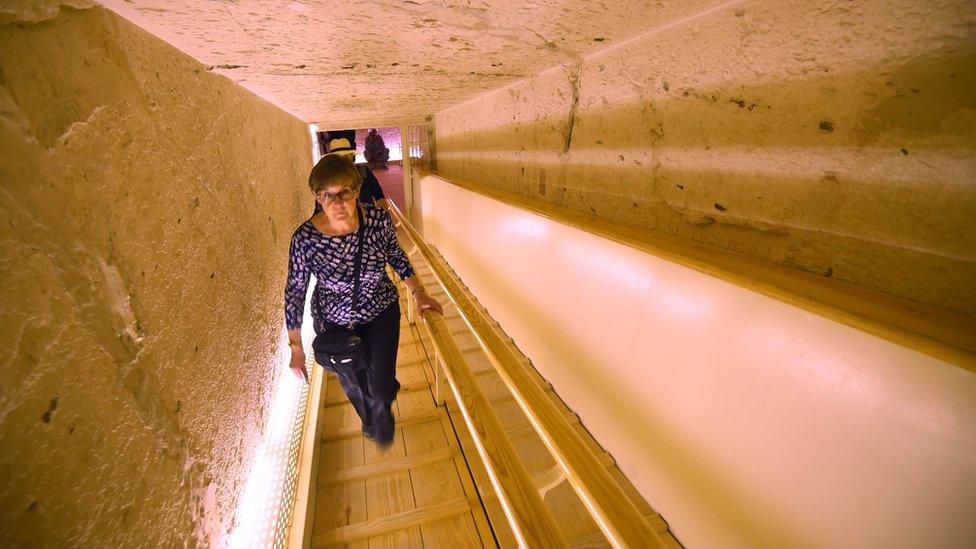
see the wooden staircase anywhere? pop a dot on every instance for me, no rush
(417, 493)
(430, 489)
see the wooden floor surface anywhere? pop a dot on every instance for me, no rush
(417, 493)
(430, 489)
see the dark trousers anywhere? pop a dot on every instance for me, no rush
(373, 389)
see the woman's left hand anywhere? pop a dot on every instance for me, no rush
(425, 302)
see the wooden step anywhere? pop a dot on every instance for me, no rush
(507, 396)
(541, 381)
(571, 417)
(392, 523)
(542, 478)
(392, 466)
(400, 422)
(597, 539)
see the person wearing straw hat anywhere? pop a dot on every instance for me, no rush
(355, 306)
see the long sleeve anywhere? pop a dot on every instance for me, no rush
(297, 284)
(395, 255)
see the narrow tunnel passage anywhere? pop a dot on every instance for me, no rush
(735, 238)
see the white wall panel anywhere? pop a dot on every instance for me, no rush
(744, 421)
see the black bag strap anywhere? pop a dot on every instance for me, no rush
(358, 262)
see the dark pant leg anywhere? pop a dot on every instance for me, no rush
(381, 337)
(352, 385)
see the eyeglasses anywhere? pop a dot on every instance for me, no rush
(344, 194)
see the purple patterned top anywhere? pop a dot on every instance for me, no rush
(332, 260)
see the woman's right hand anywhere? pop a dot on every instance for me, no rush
(297, 364)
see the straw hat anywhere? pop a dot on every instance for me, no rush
(341, 146)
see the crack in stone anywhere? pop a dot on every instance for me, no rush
(574, 82)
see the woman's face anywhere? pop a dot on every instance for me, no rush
(338, 201)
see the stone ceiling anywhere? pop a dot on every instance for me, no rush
(375, 62)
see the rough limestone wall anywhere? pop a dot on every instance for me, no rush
(833, 137)
(147, 207)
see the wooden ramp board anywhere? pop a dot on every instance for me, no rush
(417, 493)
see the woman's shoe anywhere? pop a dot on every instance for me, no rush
(384, 426)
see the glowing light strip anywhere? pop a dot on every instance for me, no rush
(266, 504)
(288, 491)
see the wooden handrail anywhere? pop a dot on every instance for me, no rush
(527, 514)
(530, 520)
(616, 515)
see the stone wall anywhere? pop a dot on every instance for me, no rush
(833, 137)
(147, 207)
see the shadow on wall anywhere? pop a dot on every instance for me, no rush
(861, 176)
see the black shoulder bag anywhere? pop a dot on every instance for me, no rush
(342, 349)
